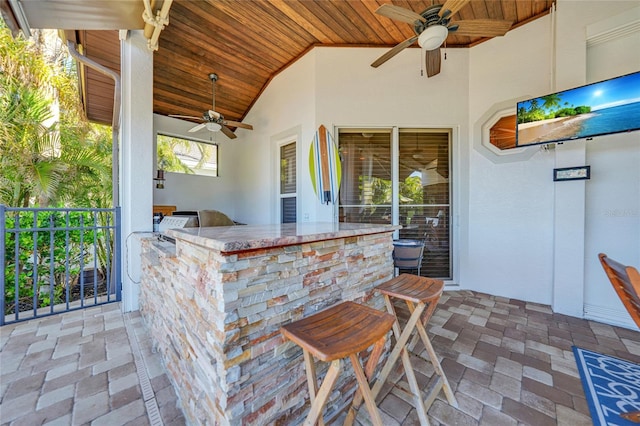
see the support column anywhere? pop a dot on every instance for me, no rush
(569, 234)
(570, 59)
(136, 158)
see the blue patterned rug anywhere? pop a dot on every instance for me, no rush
(611, 386)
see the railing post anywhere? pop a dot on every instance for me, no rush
(3, 252)
(117, 257)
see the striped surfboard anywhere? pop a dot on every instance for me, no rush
(324, 166)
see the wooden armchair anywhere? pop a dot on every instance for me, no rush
(626, 282)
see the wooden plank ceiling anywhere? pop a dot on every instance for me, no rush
(247, 43)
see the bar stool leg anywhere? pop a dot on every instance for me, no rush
(369, 400)
(395, 353)
(431, 308)
(415, 389)
(436, 365)
(312, 381)
(406, 361)
(368, 371)
(317, 403)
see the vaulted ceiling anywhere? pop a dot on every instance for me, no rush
(248, 42)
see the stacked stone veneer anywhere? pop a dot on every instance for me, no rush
(216, 316)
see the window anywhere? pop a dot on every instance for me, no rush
(502, 134)
(288, 183)
(365, 191)
(421, 201)
(424, 208)
(180, 155)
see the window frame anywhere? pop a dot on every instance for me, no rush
(216, 173)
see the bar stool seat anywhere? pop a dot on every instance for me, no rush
(421, 295)
(338, 332)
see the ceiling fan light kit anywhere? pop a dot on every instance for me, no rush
(432, 37)
(213, 127)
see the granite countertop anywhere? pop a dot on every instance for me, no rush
(251, 237)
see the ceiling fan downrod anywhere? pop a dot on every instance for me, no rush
(213, 77)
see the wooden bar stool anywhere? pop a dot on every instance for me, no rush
(341, 331)
(419, 293)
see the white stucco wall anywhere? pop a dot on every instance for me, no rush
(285, 110)
(509, 246)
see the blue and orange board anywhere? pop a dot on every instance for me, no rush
(324, 166)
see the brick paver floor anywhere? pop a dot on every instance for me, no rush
(508, 362)
(92, 366)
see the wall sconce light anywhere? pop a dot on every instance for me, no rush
(159, 179)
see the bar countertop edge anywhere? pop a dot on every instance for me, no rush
(232, 239)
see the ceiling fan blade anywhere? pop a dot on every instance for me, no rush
(399, 13)
(394, 51)
(432, 62)
(237, 124)
(228, 132)
(483, 27)
(198, 127)
(189, 117)
(453, 6)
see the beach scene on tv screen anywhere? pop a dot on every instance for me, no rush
(610, 106)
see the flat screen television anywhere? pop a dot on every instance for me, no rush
(610, 106)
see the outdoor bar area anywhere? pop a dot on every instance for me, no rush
(215, 299)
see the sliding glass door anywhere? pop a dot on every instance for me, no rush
(365, 190)
(400, 176)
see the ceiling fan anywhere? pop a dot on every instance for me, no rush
(432, 27)
(213, 120)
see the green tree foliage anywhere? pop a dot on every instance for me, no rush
(376, 192)
(167, 158)
(55, 255)
(46, 160)
(550, 101)
(171, 152)
(50, 156)
(549, 109)
(411, 190)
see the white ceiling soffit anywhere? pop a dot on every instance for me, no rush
(81, 14)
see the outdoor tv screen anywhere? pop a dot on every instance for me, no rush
(610, 106)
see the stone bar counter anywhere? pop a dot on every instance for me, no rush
(214, 302)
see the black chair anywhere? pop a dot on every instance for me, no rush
(407, 254)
